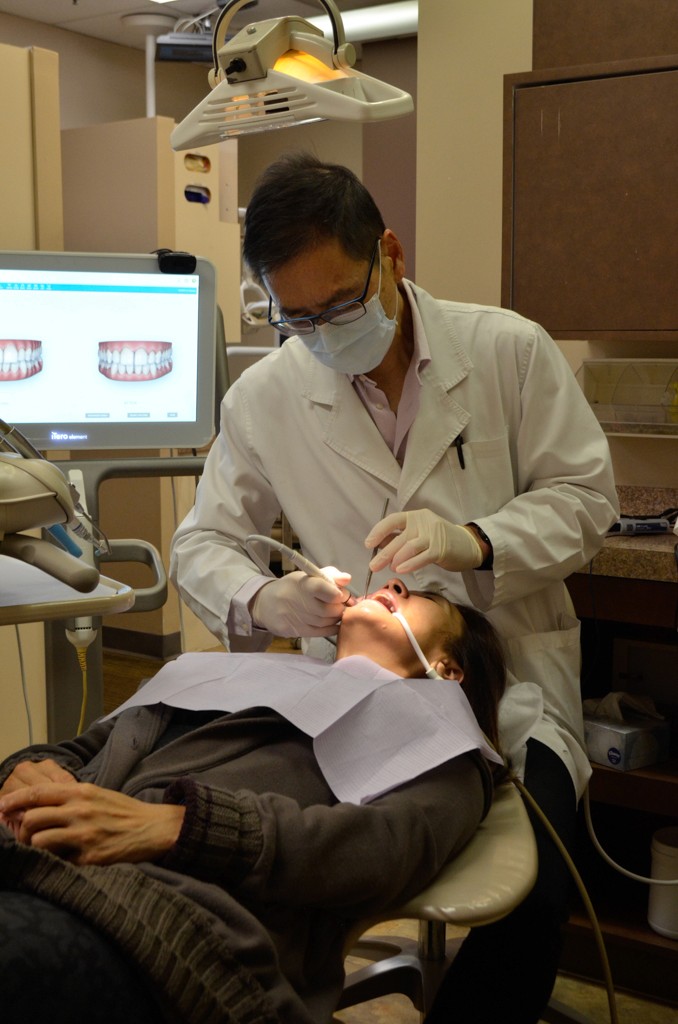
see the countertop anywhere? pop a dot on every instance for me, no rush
(645, 557)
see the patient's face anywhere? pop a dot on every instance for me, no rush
(369, 627)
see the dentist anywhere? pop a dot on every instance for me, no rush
(499, 481)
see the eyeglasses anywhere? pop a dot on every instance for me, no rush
(344, 313)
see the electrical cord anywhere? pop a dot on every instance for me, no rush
(188, 24)
(613, 864)
(670, 514)
(174, 452)
(579, 882)
(180, 605)
(81, 636)
(82, 660)
(24, 687)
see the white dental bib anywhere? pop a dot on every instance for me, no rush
(372, 730)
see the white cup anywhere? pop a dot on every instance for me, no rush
(662, 912)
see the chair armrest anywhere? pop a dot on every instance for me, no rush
(493, 873)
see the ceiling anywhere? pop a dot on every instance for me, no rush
(103, 19)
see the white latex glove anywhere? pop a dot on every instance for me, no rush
(301, 605)
(414, 539)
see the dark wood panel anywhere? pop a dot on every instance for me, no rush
(567, 32)
(653, 789)
(640, 960)
(591, 219)
(612, 599)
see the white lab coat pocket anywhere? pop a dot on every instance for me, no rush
(552, 660)
(485, 484)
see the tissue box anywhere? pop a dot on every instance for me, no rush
(633, 743)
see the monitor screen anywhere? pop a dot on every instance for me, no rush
(106, 351)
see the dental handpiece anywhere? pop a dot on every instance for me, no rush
(295, 557)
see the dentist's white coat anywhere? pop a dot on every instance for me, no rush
(537, 479)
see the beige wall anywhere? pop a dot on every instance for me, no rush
(390, 147)
(30, 165)
(340, 143)
(19, 643)
(17, 205)
(102, 81)
(465, 49)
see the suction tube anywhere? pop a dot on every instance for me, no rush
(430, 671)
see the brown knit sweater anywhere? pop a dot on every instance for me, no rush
(245, 918)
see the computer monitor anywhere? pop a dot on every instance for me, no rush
(103, 351)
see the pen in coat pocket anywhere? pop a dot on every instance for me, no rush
(458, 443)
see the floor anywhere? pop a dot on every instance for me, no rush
(589, 1001)
(122, 675)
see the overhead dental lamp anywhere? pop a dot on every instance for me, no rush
(283, 72)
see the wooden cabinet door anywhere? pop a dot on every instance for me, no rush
(590, 244)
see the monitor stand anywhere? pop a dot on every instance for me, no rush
(62, 671)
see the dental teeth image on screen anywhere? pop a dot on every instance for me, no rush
(19, 358)
(135, 360)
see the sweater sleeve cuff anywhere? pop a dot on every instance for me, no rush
(221, 833)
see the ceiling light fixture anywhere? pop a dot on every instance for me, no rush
(282, 72)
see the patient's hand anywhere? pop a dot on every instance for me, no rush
(28, 773)
(86, 824)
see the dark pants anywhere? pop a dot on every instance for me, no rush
(506, 971)
(54, 966)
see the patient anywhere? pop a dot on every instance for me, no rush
(172, 865)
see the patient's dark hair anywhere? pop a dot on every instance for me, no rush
(300, 201)
(479, 653)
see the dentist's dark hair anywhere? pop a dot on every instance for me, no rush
(300, 201)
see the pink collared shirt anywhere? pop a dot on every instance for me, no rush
(395, 426)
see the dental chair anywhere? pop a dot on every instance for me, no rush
(489, 878)
(493, 873)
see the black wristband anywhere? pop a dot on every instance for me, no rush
(489, 559)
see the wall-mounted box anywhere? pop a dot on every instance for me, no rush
(633, 396)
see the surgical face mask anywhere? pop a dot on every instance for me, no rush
(359, 346)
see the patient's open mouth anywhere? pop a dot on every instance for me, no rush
(386, 598)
